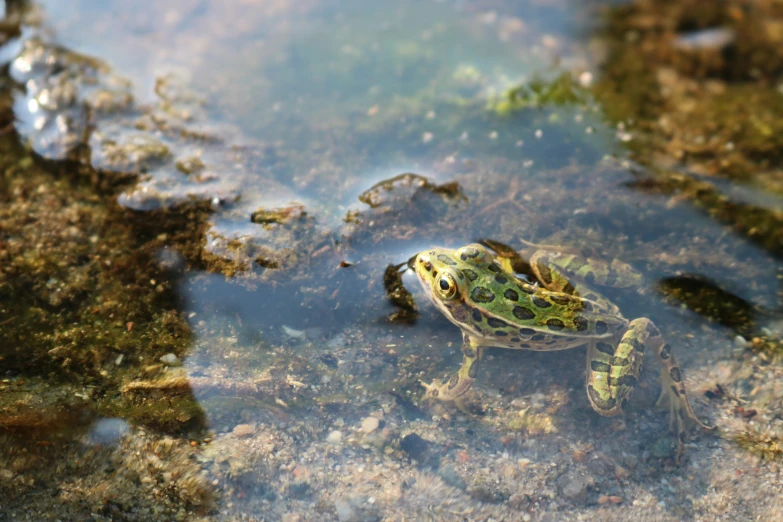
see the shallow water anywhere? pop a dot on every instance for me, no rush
(202, 205)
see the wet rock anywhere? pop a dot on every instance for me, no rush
(108, 431)
(170, 359)
(63, 90)
(416, 447)
(404, 200)
(298, 490)
(335, 437)
(574, 485)
(740, 342)
(345, 511)
(243, 430)
(370, 424)
(170, 260)
(420, 450)
(449, 475)
(664, 448)
(714, 39)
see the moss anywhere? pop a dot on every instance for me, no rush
(562, 90)
(765, 446)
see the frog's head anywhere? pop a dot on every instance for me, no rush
(446, 274)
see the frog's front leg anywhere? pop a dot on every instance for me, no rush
(460, 382)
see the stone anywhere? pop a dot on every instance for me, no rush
(243, 430)
(370, 424)
(170, 359)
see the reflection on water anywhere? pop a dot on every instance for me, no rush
(203, 314)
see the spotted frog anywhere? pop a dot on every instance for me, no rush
(495, 308)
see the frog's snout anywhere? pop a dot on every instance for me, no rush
(422, 264)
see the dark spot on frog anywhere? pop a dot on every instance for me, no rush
(476, 315)
(494, 267)
(527, 331)
(482, 295)
(522, 313)
(601, 404)
(511, 295)
(580, 323)
(470, 273)
(501, 279)
(473, 370)
(605, 348)
(601, 327)
(541, 303)
(555, 324)
(494, 322)
(446, 260)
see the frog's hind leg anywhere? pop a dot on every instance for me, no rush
(459, 383)
(613, 370)
(565, 272)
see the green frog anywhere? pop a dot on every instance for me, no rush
(494, 307)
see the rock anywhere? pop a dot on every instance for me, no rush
(370, 424)
(740, 342)
(244, 430)
(170, 360)
(344, 509)
(664, 447)
(298, 490)
(573, 486)
(335, 437)
(108, 431)
(416, 447)
(449, 475)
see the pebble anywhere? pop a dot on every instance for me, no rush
(740, 342)
(243, 430)
(573, 486)
(334, 438)
(449, 475)
(170, 360)
(370, 424)
(345, 512)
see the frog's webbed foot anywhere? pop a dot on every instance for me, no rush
(459, 384)
(673, 396)
(681, 415)
(452, 390)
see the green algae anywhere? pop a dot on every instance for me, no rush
(538, 93)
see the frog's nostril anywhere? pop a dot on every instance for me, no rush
(427, 266)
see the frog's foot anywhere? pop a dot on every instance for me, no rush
(452, 390)
(460, 382)
(673, 395)
(681, 415)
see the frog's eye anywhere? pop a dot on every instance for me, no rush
(446, 286)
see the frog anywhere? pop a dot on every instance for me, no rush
(556, 307)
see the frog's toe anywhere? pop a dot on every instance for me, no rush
(432, 390)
